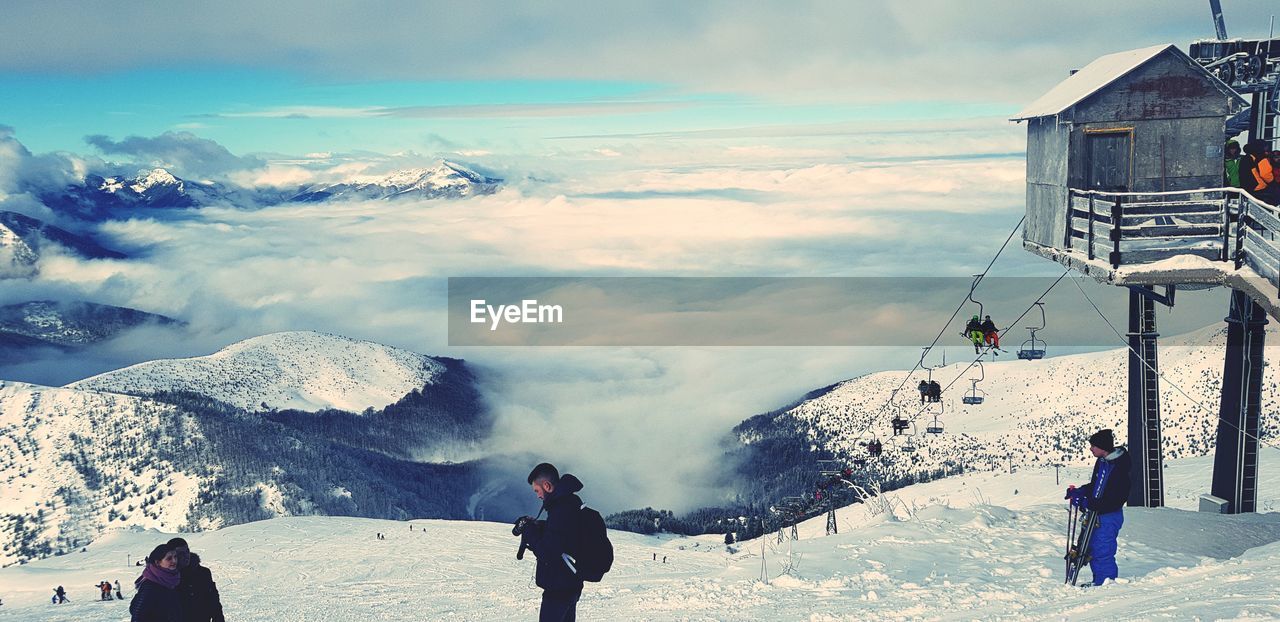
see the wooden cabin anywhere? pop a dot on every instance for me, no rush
(1146, 120)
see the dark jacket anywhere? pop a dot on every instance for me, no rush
(972, 325)
(989, 327)
(200, 599)
(553, 539)
(1108, 489)
(153, 602)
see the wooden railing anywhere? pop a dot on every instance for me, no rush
(1219, 224)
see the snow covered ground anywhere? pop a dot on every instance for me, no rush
(979, 546)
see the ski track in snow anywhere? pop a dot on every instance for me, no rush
(978, 546)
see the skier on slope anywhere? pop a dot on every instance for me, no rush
(973, 331)
(1105, 496)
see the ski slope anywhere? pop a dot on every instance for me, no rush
(979, 546)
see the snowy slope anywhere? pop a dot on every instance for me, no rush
(963, 549)
(60, 485)
(303, 370)
(1035, 412)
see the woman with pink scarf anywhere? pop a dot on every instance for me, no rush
(156, 598)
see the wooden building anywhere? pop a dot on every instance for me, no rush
(1146, 120)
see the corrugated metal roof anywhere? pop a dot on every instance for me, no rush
(1087, 81)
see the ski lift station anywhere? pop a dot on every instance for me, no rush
(1124, 185)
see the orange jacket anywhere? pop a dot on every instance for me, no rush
(1263, 174)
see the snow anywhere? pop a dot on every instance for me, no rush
(980, 546)
(302, 369)
(1096, 75)
(154, 177)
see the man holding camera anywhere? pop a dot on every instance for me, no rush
(556, 575)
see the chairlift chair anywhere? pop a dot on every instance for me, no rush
(1028, 351)
(936, 427)
(975, 395)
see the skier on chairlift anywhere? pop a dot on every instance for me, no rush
(973, 331)
(990, 334)
(924, 390)
(935, 391)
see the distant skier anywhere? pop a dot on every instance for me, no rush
(155, 595)
(105, 588)
(200, 599)
(990, 334)
(973, 330)
(1105, 495)
(60, 595)
(119, 594)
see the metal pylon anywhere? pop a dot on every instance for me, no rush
(831, 520)
(1147, 477)
(1235, 460)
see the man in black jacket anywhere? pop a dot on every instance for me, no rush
(1105, 495)
(549, 540)
(199, 594)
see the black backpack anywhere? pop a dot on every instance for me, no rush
(592, 552)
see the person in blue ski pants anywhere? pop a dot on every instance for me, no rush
(1105, 494)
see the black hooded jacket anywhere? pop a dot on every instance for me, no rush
(199, 595)
(1108, 489)
(553, 539)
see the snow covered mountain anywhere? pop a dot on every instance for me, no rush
(443, 180)
(1036, 413)
(68, 324)
(75, 461)
(100, 198)
(23, 238)
(301, 370)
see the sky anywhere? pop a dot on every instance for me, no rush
(810, 139)
(522, 76)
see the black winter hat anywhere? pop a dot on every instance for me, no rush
(1103, 439)
(158, 553)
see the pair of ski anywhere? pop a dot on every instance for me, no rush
(1080, 526)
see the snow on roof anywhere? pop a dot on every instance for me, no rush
(1087, 81)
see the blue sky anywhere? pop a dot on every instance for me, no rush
(429, 76)
(254, 111)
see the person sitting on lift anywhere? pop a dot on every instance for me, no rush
(973, 330)
(935, 391)
(923, 387)
(990, 334)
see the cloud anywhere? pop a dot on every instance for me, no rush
(183, 152)
(991, 50)
(471, 111)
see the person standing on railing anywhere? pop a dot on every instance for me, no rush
(1231, 164)
(1257, 175)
